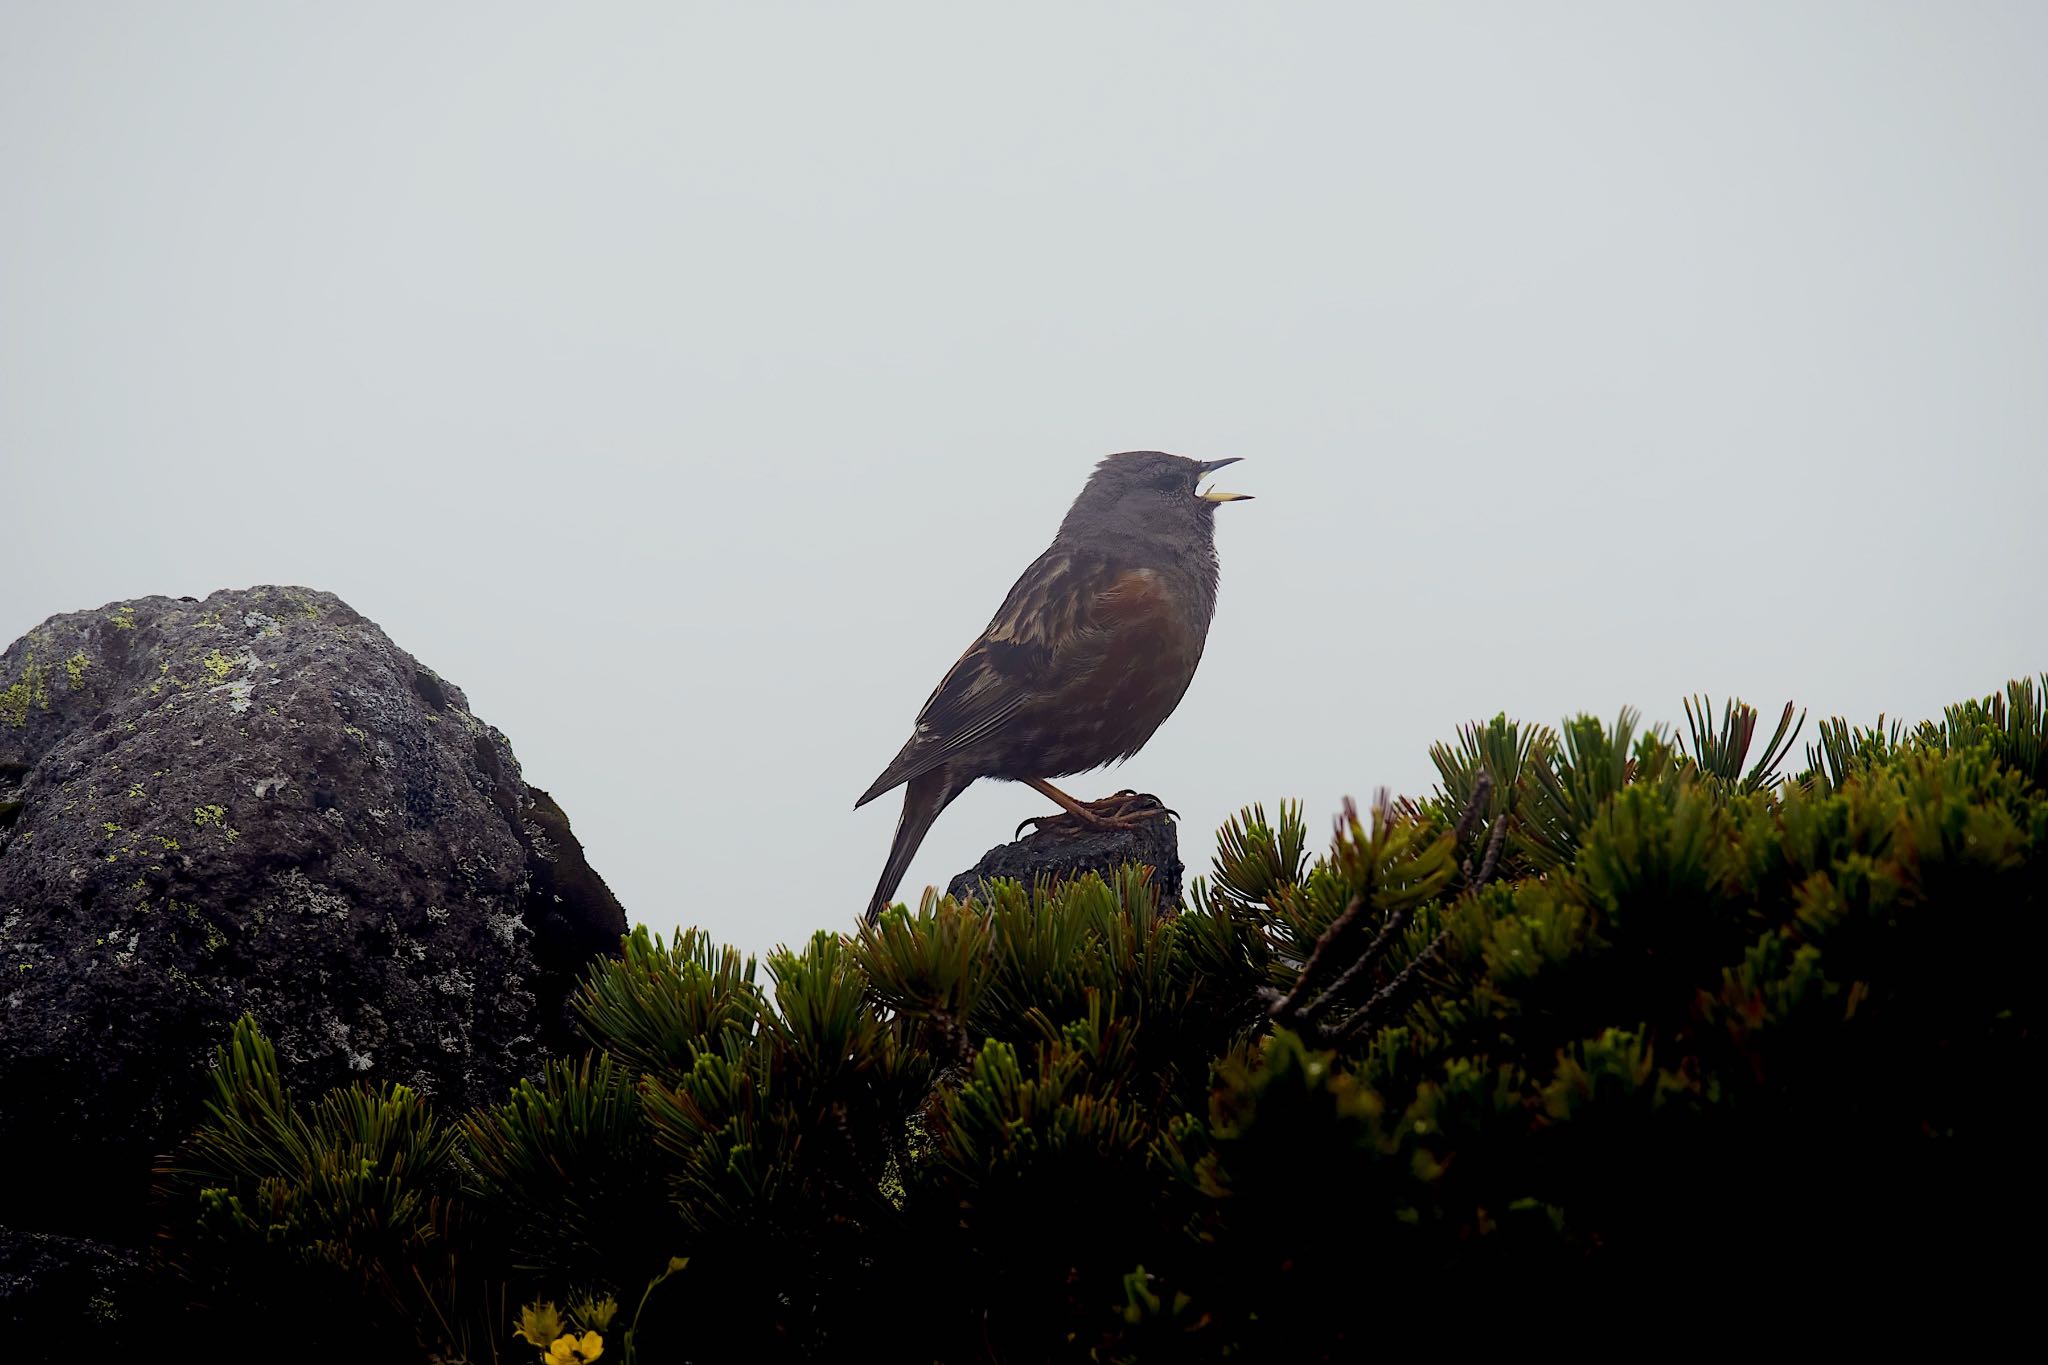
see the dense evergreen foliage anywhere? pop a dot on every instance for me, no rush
(1613, 1015)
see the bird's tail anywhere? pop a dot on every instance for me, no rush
(923, 798)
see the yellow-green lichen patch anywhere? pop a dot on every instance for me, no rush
(75, 666)
(25, 691)
(215, 940)
(135, 792)
(218, 666)
(215, 817)
(164, 675)
(123, 618)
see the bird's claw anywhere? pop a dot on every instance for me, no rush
(1139, 799)
(1126, 810)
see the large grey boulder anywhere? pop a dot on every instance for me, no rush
(256, 803)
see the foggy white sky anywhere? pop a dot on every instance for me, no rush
(689, 383)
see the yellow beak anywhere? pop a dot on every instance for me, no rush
(1213, 495)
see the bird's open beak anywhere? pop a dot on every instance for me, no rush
(1212, 495)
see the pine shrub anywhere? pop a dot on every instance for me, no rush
(1614, 1016)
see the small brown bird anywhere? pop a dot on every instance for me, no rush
(1093, 648)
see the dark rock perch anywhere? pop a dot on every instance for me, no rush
(1064, 850)
(256, 802)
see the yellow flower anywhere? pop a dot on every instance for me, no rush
(569, 1350)
(596, 1313)
(539, 1323)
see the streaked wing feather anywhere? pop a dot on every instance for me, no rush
(1058, 603)
(1047, 606)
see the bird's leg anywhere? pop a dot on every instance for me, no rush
(1126, 810)
(1066, 803)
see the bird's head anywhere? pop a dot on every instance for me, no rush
(1151, 492)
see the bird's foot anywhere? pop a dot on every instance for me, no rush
(1126, 810)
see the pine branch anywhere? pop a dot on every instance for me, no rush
(1378, 1009)
(1301, 1006)
(1288, 1009)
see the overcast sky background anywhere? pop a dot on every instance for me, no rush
(689, 383)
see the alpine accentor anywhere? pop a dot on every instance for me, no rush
(1092, 650)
